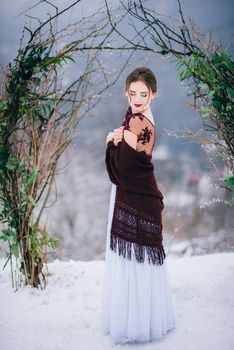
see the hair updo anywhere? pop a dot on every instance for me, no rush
(143, 74)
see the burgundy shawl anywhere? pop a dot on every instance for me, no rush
(137, 216)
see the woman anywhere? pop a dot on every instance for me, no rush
(136, 299)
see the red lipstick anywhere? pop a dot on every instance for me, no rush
(137, 105)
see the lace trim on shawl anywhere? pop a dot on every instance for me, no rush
(131, 231)
(143, 127)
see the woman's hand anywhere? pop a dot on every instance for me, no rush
(116, 136)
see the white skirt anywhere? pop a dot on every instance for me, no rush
(136, 297)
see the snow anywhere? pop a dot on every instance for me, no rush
(66, 315)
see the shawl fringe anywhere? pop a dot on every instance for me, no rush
(155, 255)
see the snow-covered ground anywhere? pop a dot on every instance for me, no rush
(66, 315)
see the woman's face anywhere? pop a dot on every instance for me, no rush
(139, 96)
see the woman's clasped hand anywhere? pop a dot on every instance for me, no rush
(116, 136)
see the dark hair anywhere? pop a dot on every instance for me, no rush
(143, 74)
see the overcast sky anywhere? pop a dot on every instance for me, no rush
(209, 14)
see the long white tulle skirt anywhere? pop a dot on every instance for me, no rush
(136, 298)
